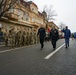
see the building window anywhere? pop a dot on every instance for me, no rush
(26, 16)
(33, 9)
(18, 12)
(19, 1)
(11, 10)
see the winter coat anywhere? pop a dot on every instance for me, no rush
(67, 33)
(54, 35)
(41, 33)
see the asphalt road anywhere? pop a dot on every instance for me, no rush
(31, 60)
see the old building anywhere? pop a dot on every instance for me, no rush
(23, 15)
(50, 24)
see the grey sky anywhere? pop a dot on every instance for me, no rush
(65, 9)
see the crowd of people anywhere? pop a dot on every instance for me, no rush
(54, 36)
(31, 36)
(20, 38)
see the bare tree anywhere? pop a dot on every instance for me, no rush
(50, 12)
(5, 5)
(62, 25)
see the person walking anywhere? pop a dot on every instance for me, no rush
(67, 34)
(6, 37)
(42, 34)
(54, 35)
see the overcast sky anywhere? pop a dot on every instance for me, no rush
(65, 9)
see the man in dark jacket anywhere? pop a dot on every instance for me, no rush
(67, 34)
(54, 35)
(42, 34)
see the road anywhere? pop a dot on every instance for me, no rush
(32, 61)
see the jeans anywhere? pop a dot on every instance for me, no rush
(67, 42)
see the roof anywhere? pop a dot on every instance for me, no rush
(24, 3)
(53, 23)
(40, 14)
(30, 2)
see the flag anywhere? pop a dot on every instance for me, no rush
(48, 30)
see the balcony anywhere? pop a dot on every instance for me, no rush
(11, 16)
(35, 24)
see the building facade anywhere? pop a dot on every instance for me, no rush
(50, 24)
(23, 15)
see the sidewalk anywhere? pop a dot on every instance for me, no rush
(3, 47)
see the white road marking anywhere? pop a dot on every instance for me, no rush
(3, 51)
(6, 50)
(9, 50)
(51, 54)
